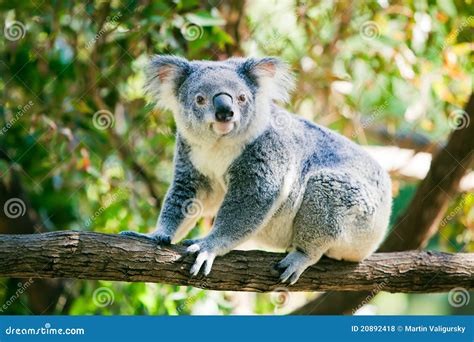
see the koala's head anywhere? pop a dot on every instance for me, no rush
(218, 100)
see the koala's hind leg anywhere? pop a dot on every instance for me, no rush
(316, 229)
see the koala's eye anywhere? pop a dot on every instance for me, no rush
(200, 100)
(242, 98)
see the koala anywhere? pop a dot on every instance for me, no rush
(260, 171)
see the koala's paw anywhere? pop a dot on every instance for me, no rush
(205, 255)
(159, 238)
(292, 266)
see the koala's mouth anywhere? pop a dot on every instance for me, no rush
(223, 128)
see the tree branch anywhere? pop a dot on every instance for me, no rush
(86, 255)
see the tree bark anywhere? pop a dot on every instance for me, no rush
(85, 255)
(420, 221)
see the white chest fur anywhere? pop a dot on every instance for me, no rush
(213, 161)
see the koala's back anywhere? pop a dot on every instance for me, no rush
(349, 190)
(316, 149)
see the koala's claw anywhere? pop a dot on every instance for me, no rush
(293, 265)
(161, 239)
(290, 276)
(193, 248)
(203, 257)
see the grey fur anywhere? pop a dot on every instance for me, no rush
(276, 178)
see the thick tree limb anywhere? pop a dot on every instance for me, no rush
(420, 221)
(87, 255)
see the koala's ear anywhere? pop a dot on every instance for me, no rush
(164, 75)
(272, 75)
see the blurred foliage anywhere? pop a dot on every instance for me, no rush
(92, 154)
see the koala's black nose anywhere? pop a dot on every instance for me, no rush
(223, 106)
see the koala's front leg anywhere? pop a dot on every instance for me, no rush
(251, 199)
(178, 215)
(181, 209)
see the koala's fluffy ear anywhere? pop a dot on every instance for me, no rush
(164, 74)
(272, 75)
